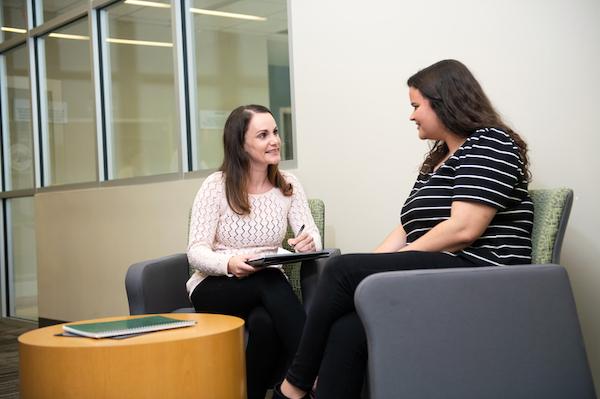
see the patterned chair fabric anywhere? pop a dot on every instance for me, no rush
(551, 214)
(317, 208)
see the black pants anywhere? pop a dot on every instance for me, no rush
(274, 319)
(333, 345)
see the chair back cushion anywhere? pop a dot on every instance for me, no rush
(551, 213)
(292, 270)
(317, 208)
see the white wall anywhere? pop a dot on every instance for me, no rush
(537, 59)
(539, 62)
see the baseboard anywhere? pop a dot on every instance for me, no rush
(43, 322)
(17, 322)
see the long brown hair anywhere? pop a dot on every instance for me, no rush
(236, 164)
(461, 105)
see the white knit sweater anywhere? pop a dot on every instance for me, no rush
(217, 233)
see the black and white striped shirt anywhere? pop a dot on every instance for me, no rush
(486, 169)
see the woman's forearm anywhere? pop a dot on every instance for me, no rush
(467, 222)
(394, 241)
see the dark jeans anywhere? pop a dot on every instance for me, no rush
(333, 344)
(274, 319)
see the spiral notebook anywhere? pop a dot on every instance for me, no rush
(126, 327)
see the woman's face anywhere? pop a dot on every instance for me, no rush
(428, 124)
(262, 142)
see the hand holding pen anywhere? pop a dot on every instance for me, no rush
(303, 242)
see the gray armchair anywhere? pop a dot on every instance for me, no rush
(489, 332)
(484, 333)
(158, 285)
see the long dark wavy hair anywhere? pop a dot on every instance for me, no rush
(236, 163)
(461, 105)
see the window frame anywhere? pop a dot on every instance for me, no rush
(186, 102)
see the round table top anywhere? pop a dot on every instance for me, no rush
(207, 325)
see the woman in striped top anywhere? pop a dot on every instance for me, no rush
(469, 207)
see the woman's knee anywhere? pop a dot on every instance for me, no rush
(272, 283)
(339, 266)
(268, 275)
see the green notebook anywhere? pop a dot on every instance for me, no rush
(126, 326)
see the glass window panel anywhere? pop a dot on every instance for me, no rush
(71, 142)
(13, 19)
(54, 8)
(145, 139)
(241, 57)
(18, 145)
(22, 257)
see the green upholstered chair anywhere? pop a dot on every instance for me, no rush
(158, 285)
(293, 271)
(552, 208)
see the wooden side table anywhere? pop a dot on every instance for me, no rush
(203, 361)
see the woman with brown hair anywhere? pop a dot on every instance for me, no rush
(241, 212)
(469, 207)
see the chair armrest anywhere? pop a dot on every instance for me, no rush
(158, 285)
(454, 333)
(309, 275)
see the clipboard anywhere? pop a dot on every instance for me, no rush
(282, 259)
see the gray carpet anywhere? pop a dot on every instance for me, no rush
(9, 356)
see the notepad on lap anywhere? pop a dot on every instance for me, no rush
(280, 259)
(126, 326)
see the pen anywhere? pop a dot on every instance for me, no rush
(299, 232)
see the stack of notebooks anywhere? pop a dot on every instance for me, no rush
(126, 327)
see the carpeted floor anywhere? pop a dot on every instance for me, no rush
(9, 356)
